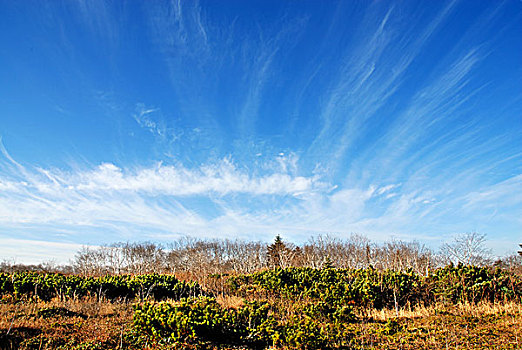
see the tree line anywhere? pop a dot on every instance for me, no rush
(193, 258)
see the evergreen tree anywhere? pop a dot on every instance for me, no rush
(277, 253)
(328, 264)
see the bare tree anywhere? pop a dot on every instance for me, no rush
(400, 255)
(202, 257)
(355, 252)
(362, 253)
(198, 259)
(47, 267)
(245, 257)
(90, 261)
(467, 248)
(120, 258)
(511, 263)
(315, 251)
(142, 258)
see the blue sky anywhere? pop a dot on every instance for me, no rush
(134, 121)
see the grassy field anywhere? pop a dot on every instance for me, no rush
(292, 308)
(90, 324)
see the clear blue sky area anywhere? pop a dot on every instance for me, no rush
(149, 120)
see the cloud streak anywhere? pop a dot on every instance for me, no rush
(374, 118)
(220, 179)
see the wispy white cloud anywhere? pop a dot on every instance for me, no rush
(37, 251)
(362, 133)
(259, 54)
(220, 179)
(157, 203)
(499, 194)
(427, 111)
(146, 196)
(373, 72)
(180, 31)
(156, 199)
(151, 119)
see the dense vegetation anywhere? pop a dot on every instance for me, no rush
(291, 300)
(294, 308)
(305, 308)
(384, 288)
(45, 286)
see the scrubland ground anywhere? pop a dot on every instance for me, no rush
(71, 324)
(461, 326)
(93, 324)
(452, 307)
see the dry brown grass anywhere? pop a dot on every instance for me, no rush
(89, 324)
(55, 324)
(476, 310)
(461, 326)
(230, 301)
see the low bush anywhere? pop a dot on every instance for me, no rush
(47, 286)
(203, 321)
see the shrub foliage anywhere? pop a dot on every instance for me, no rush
(292, 308)
(306, 308)
(47, 286)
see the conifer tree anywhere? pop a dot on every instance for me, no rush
(277, 253)
(328, 264)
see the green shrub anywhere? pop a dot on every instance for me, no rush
(381, 289)
(47, 286)
(461, 283)
(202, 321)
